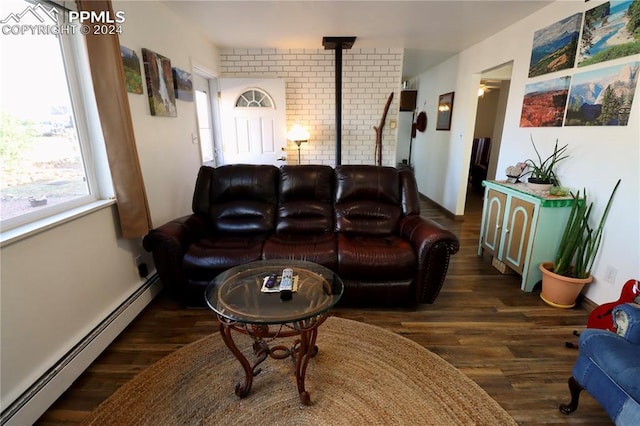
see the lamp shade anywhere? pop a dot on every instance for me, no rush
(298, 134)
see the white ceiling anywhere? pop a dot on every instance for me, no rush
(429, 31)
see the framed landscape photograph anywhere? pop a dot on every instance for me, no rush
(609, 32)
(445, 108)
(132, 74)
(545, 102)
(159, 77)
(554, 47)
(602, 97)
(183, 85)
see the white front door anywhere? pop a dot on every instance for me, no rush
(253, 115)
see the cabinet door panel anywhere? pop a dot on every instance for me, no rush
(496, 202)
(517, 233)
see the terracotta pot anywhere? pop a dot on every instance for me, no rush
(560, 291)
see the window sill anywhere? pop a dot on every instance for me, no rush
(16, 234)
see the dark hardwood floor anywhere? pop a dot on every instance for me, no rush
(509, 342)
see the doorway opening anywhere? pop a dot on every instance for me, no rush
(205, 89)
(492, 92)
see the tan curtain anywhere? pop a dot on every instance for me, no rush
(115, 117)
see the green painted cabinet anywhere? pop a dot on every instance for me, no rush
(521, 228)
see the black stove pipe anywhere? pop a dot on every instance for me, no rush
(338, 44)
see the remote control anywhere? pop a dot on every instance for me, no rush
(286, 283)
(286, 295)
(271, 280)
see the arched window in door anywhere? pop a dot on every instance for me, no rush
(254, 98)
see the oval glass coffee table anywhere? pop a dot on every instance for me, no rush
(242, 304)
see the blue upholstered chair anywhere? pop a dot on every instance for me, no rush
(608, 367)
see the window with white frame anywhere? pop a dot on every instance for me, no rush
(51, 147)
(254, 98)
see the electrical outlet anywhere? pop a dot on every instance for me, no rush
(141, 266)
(610, 274)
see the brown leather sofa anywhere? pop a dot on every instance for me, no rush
(363, 222)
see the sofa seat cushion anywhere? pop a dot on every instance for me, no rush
(209, 256)
(375, 257)
(316, 248)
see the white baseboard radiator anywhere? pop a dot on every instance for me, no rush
(29, 406)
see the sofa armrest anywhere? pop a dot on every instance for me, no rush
(626, 318)
(168, 244)
(433, 245)
(181, 232)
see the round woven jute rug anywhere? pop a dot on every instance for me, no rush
(362, 375)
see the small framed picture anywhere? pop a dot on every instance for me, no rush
(132, 73)
(445, 108)
(162, 98)
(183, 84)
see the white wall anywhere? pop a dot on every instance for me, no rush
(599, 155)
(58, 285)
(438, 159)
(168, 157)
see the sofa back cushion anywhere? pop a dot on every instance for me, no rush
(409, 188)
(202, 192)
(306, 199)
(367, 199)
(239, 198)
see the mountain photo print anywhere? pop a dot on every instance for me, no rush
(611, 31)
(554, 47)
(602, 97)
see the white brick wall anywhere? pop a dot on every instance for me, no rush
(369, 76)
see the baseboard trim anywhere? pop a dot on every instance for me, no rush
(46, 390)
(442, 209)
(588, 304)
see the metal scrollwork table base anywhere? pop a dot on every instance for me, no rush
(242, 306)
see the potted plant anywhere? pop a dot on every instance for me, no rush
(564, 278)
(542, 173)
